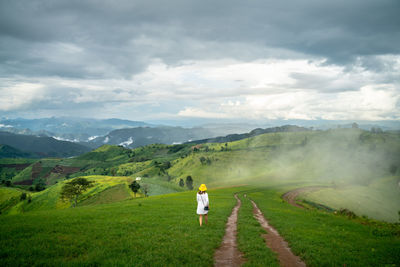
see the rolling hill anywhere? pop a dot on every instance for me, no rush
(255, 132)
(352, 163)
(11, 152)
(163, 231)
(351, 219)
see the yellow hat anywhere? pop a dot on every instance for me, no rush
(203, 187)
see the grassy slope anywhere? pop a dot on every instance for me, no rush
(380, 199)
(112, 194)
(163, 231)
(356, 162)
(155, 231)
(7, 173)
(25, 174)
(250, 239)
(106, 189)
(346, 158)
(50, 198)
(9, 197)
(323, 239)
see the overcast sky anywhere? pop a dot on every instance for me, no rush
(172, 60)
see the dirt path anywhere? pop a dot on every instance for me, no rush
(291, 196)
(276, 243)
(228, 254)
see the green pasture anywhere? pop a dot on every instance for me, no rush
(9, 197)
(50, 198)
(326, 239)
(106, 189)
(163, 230)
(153, 231)
(378, 200)
(250, 238)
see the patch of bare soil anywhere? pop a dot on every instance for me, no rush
(276, 243)
(59, 169)
(25, 182)
(228, 253)
(291, 196)
(18, 167)
(36, 169)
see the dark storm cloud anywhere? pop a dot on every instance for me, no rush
(118, 38)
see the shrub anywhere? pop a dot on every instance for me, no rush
(23, 196)
(348, 213)
(189, 182)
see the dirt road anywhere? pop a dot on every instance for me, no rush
(228, 254)
(276, 243)
(291, 196)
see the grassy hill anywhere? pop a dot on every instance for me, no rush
(9, 197)
(106, 189)
(163, 231)
(359, 166)
(11, 152)
(358, 170)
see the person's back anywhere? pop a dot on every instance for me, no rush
(202, 204)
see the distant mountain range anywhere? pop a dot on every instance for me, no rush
(141, 136)
(67, 129)
(17, 145)
(64, 137)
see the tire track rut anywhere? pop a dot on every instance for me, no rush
(228, 253)
(276, 243)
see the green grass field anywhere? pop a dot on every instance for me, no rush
(163, 231)
(326, 239)
(154, 231)
(378, 200)
(250, 240)
(106, 189)
(9, 197)
(359, 170)
(350, 160)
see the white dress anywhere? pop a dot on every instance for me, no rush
(202, 200)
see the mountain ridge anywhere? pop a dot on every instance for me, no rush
(42, 146)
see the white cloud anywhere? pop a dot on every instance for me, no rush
(226, 88)
(17, 96)
(199, 113)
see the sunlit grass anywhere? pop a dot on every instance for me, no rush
(325, 239)
(154, 231)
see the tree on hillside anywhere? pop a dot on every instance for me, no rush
(145, 189)
(134, 186)
(40, 186)
(73, 189)
(189, 182)
(181, 183)
(23, 196)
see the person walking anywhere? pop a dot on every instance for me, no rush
(203, 204)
